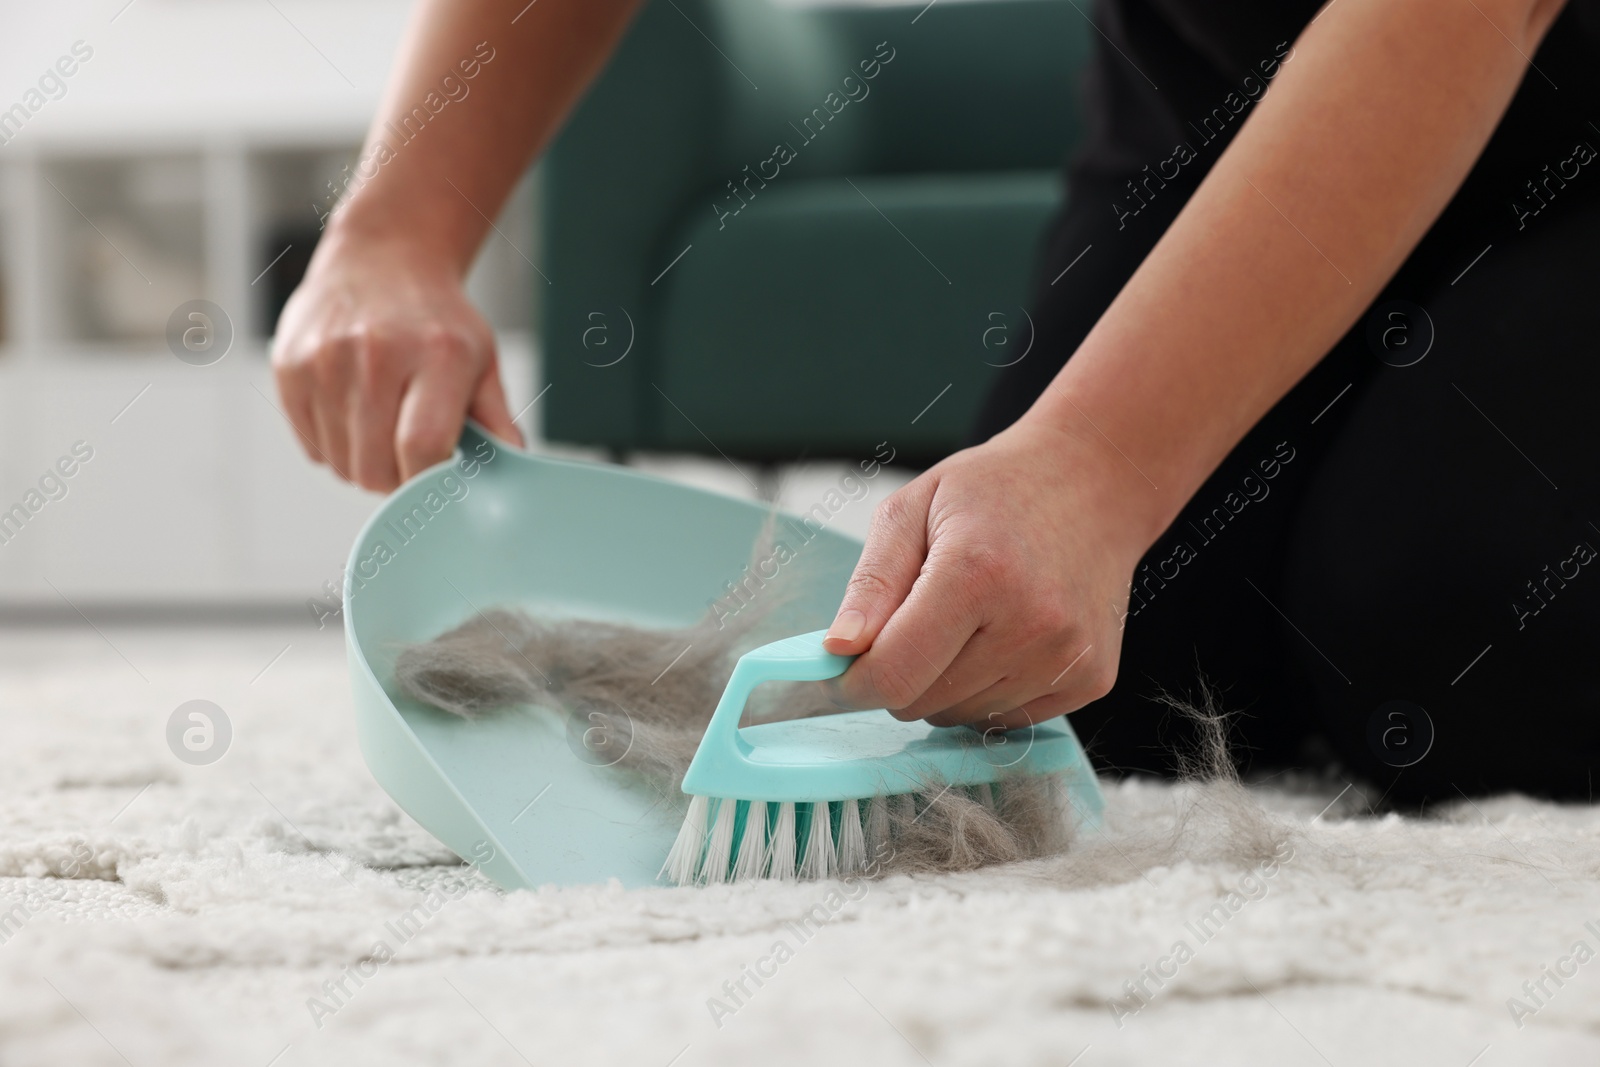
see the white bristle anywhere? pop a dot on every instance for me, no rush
(852, 843)
(878, 829)
(986, 796)
(684, 860)
(719, 847)
(820, 861)
(783, 844)
(752, 859)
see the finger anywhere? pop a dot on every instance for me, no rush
(1015, 719)
(1020, 718)
(331, 437)
(431, 416)
(920, 641)
(371, 412)
(1046, 707)
(972, 679)
(294, 391)
(1069, 690)
(372, 418)
(329, 396)
(993, 708)
(490, 408)
(897, 543)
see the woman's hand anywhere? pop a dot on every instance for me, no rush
(992, 589)
(380, 357)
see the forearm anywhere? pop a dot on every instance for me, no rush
(1346, 162)
(436, 191)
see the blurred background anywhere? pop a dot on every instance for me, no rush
(187, 157)
(158, 152)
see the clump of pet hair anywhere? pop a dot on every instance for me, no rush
(1214, 818)
(651, 692)
(1021, 817)
(648, 692)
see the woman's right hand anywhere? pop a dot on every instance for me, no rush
(380, 357)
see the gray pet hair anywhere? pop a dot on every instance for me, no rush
(611, 675)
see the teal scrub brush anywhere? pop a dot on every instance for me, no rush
(811, 798)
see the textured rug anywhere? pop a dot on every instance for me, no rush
(273, 907)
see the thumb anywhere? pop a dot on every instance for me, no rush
(897, 544)
(489, 407)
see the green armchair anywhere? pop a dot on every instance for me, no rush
(775, 232)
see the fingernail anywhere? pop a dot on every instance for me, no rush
(848, 626)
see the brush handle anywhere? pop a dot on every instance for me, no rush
(860, 754)
(793, 659)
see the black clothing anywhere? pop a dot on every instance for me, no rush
(1397, 568)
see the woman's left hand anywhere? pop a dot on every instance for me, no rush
(992, 589)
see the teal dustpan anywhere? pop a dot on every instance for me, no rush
(525, 797)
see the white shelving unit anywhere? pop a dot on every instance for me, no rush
(138, 191)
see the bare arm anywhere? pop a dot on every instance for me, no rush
(985, 578)
(379, 355)
(515, 105)
(1352, 155)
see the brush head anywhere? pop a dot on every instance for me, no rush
(749, 784)
(936, 828)
(726, 840)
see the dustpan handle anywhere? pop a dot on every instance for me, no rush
(793, 659)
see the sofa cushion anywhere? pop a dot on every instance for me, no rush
(828, 313)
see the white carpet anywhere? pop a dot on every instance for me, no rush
(190, 921)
